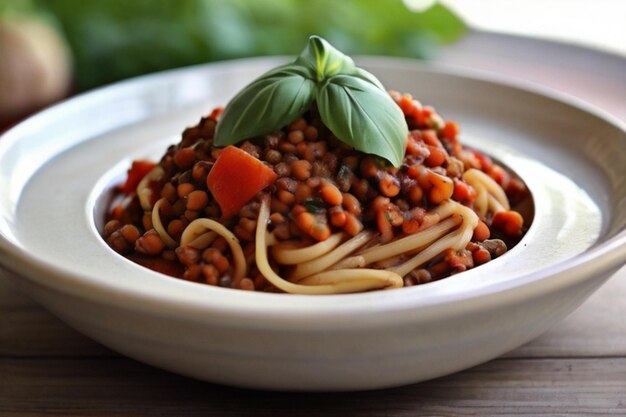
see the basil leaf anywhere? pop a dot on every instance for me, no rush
(352, 103)
(324, 60)
(270, 102)
(368, 76)
(363, 116)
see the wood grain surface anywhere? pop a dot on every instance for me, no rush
(576, 369)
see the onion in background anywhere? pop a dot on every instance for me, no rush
(35, 65)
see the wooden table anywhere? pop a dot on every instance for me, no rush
(577, 368)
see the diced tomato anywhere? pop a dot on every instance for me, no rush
(236, 177)
(137, 171)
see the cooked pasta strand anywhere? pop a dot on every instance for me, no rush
(481, 203)
(494, 204)
(457, 240)
(474, 176)
(384, 278)
(144, 193)
(158, 225)
(319, 264)
(285, 255)
(351, 283)
(200, 226)
(409, 243)
(445, 209)
(203, 241)
(356, 261)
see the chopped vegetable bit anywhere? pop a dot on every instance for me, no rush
(236, 177)
(137, 171)
(314, 205)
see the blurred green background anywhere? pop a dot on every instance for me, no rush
(102, 41)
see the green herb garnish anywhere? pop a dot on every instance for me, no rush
(314, 205)
(351, 102)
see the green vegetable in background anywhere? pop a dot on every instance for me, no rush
(351, 102)
(115, 39)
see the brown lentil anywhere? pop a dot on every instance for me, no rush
(184, 189)
(184, 158)
(187, 255)
(301, 169)
(273, 156)
(197, 200)
(310, 133)
(130, 233)
(110, 227)
(150, 243)
(295, 136)
(175, 228)
(299, 124)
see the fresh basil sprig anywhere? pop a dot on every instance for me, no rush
(352, 103)
(268, 103)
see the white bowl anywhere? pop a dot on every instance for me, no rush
(56, 165)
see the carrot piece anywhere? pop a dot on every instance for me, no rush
(450, 130)
(215, 114)
(406, 104)
(509, 221)
(481, 232)
(137, 171)
(236, 177)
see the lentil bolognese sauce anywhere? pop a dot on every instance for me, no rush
(304, 204)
